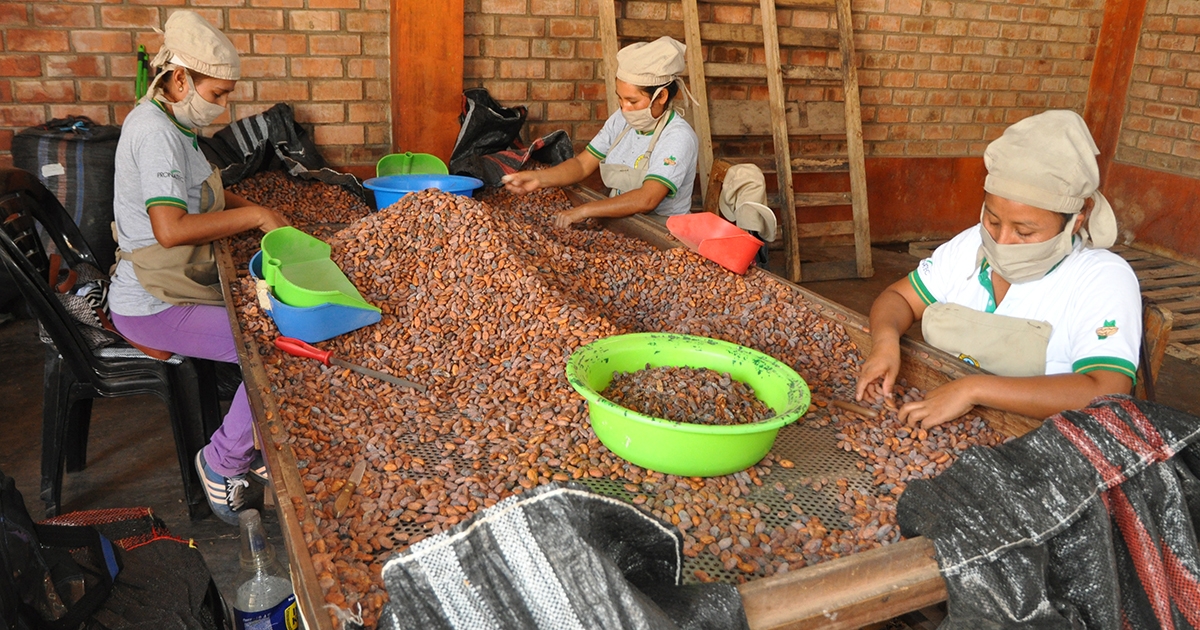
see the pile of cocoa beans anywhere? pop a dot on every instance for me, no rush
(691, 395)
(483, 301)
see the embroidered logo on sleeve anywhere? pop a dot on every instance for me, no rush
(968, 359)
(669, 161)
(1107, 330)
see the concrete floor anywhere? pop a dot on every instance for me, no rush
(131, 458)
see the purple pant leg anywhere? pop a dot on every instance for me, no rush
(202, 331)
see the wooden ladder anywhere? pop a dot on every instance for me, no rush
(738, 117)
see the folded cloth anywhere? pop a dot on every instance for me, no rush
(715, 239)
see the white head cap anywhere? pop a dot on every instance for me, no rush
(1049, 161)
(191, 42)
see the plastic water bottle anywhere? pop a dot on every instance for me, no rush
(265, 600)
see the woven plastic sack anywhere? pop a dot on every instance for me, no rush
(272, 140)
(554, 557)
(74, 158)
(1087, 522)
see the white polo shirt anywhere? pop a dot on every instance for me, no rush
(1091, 299)
(672, 164)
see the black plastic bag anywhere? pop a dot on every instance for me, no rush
(551, 149)
(554, 557)
(52, 577)
(272, 140)
(74, 158)
(487, 127)
(1087, 522)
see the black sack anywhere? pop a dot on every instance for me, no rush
(52, 577)
(550, 149)
(554, 557)
(272, 140)
(75, 158)
(486, 127)
(1087, 522)
(164, 583)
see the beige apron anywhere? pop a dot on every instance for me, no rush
(1002, 345)
(184, 274)
(621, 178)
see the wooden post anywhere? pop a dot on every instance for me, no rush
(1112, 71)
(695, 64)
(854, 142)
(783, 156)
(608, 47)
(427, 75)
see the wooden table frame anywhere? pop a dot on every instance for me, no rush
(844, 593)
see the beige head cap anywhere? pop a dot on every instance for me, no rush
(743, 200)
(190, 41)
(653, 63)
(1049, 161)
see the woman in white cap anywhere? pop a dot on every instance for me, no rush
(646, 152)
(1031, 294)
(169, 207)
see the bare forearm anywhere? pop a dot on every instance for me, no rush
(181, 228)
(569, 172)
(1044, 396)
(891, 315)
(633, 202)
(234, 200)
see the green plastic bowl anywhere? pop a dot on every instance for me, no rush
(678, 448)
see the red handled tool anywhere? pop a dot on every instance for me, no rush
(298, 348)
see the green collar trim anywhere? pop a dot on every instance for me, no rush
(985, 279)
(184, 130)
(651, 132)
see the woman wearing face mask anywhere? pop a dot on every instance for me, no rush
(646, 152)
(169, 207)
(1031, 294)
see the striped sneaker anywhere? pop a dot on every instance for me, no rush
(226, 495)
(258, 470)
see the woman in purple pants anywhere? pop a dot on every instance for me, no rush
(170, 206)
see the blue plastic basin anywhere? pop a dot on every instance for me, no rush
(389, 189)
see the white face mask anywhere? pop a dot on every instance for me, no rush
(193, 111)
(641, 119)
(1028, 261)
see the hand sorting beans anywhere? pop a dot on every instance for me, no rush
(483, 301)
(318, 208)
(692, 395)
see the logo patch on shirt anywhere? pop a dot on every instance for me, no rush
(1107, 330)
(669, 161)
(968, 359)
(173, 174)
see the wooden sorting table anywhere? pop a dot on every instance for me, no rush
(848, 592)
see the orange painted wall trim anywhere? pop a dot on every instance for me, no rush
(1112, 69)
(427, 75)
(1154, 207)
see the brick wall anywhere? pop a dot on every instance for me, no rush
(1161, 127)
(328, 58)
(938, 78)
(542, 53)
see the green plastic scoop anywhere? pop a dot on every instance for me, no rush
(297, 268)
(409, 163)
